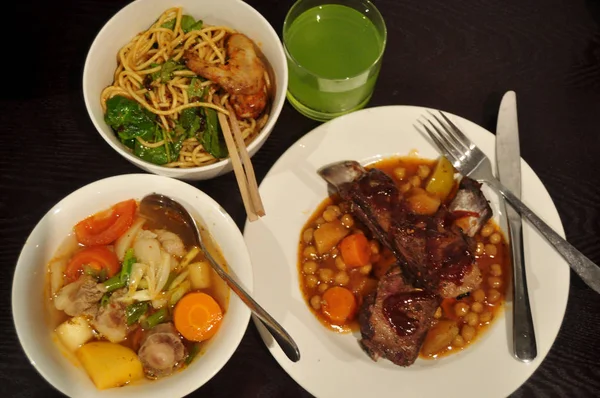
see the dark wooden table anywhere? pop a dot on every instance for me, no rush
(440, 54)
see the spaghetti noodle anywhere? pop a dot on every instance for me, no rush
(151, 72)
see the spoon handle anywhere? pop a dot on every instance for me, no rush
(282, 338)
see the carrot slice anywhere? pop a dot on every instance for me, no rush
(356, 251)
(97, 258)
(339, 304)
(106, 226)
(197, 316)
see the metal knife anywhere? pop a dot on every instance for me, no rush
(508, 160)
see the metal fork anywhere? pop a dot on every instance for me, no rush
(470, 161)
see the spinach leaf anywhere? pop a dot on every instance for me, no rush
(129, 119)
(170, 24)
(166, 71)
(188, 23)
(154, 75)
(163, 154)
(195, 91)
(190, 122)
(212, 138)
(152, 155)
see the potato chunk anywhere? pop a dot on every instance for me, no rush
(109, 364)
(439, 337)
(74, 332)
(328, 235)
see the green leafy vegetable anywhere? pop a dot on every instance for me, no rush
(122, 278)
(129, 119)
(128, 262)
(159, 316)
(105, 299)
(114, 283)
(166, 70)
(188, 23)
(212, 138)
(189, 122)
(135, 311)
(170, 24)
(195, 90)
(194, 350)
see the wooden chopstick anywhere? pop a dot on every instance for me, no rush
(252, 184)
(242, 166)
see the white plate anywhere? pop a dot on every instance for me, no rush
(333, 365)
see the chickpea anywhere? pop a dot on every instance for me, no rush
(344, 207)
(485, 317)
(477, 308)
(365, 269)
(404, 188)
(310, 267)
(329, 215)
(307, 235)
(400, 172)
(478, 295)
(326, 275)
(336, 209)
(323, 288)
(495, 238)
(311, 281)
(310, 252)
(496, 269)
(374, 247)
(472, 318)
(438, 313)
(320, 221)
(493, 296)
(458, 341)
(487, 230)
(494, 282)
(347, 220)
(491, 250)
(423, 171)
(468, 332)
(342, 278)
(461, 309)
(480, 248)
(340, 264)
(315, 302)
(415, 181)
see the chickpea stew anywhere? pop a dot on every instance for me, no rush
(340, 262)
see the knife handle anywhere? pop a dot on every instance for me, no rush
(583, 266)
(524, 344)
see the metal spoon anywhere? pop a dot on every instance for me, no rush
(173, 216)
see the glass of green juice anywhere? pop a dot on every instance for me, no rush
(334, 50)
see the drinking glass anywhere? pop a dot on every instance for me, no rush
(334, 50)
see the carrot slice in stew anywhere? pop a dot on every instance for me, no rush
(339, 304)
(356, 251)
(106, 226)
(197, 316)
(96, 258)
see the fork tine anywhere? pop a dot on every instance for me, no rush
(455, 151)
(441, 147)
(460, 145)
(459, 135)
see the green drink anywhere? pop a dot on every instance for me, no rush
(334, 56)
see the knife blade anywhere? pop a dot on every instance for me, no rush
(508, 158)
